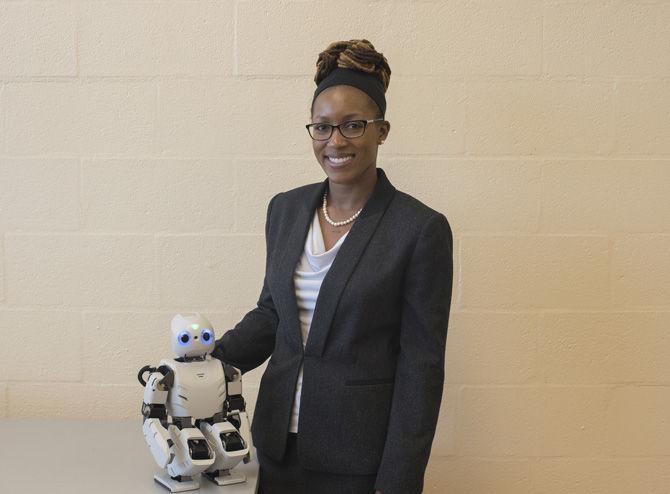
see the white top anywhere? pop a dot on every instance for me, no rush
(309, 273)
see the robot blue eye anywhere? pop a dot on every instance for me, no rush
(206, 335)
(184, 338)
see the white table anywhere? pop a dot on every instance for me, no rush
(67, 456)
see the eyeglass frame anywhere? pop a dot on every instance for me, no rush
(333, 127)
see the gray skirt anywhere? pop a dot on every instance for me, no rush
(287, 476)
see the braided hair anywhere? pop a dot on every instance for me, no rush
(357, 54)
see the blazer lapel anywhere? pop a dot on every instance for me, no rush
(292, 251)
(343, 265)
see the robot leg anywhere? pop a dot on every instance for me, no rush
(191, 456)
(230, 448)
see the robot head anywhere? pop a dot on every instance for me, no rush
(192, 335)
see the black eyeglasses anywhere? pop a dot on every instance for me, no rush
(349, 129)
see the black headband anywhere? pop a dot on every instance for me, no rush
(351, 77)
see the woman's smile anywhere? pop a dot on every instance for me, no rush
(339, 160)
(349, 161)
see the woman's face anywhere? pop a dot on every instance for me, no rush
(342, 103)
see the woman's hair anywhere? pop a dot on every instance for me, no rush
(357, 54)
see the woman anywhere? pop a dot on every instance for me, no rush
(354, 307)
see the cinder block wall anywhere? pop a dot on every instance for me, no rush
(140, 142)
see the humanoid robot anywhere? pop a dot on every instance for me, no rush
(195, 420)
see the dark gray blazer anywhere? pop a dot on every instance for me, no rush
(374, 359)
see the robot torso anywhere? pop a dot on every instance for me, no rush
(198, 390)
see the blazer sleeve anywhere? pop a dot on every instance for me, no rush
(252, 340)
(419, 379)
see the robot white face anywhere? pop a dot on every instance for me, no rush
(192, 335)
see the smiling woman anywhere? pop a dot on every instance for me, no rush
(354, 307)
(347, 117)
(347, 127)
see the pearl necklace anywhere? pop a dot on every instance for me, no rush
(337, 223)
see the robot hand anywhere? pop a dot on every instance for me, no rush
(158, 439)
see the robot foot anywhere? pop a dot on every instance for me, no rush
(225, 477)
(175, 485)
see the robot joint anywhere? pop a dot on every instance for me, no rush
(232, 441)
(198, 449)
(154, 411)
(235, 403)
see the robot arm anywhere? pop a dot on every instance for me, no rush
(156, 390)
(235, 407)
(234, 400)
